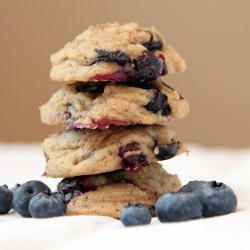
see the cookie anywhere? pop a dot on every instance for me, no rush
(86, 151)
(114, 52)
(87, 105)
(107, 193)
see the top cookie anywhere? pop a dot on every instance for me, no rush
(114, 52)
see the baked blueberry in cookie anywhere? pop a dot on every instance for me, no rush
(159, 104)
(152, 45)
(118, 57)
(133, 161)
(165, 152)
(146, 66)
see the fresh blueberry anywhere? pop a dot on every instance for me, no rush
(5, 199)
(135, 215)
(15, 187)
(23, 194)
(216, 198)
(47, 204)
(176, 207)
(191, 186)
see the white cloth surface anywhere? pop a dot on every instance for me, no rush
(23, 162)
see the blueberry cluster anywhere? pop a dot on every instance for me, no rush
(32, 199)
(195, 200)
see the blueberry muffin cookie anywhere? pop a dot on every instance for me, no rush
(114, 52)
(85, 151)
(88, 105)
(106, 194)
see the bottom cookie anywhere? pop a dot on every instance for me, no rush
(106, 194)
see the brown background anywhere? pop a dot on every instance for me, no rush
(213, 37)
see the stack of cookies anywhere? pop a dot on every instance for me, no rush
(115, 110)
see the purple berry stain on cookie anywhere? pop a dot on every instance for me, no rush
(101, 123)
(118, 76)
(132, 157)
(44, 174)
(105, 123)
(159, 103)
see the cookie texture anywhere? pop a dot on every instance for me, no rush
(87, 105)
(107, 193)
(85, 151)
(114, 52)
